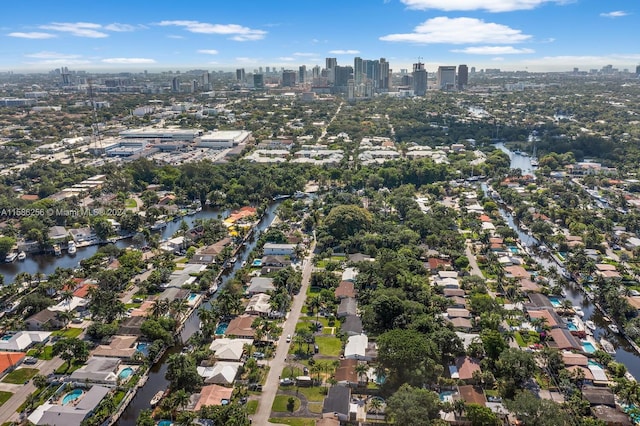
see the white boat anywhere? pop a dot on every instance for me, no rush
(11, 257)
(578, 311)
(22, 255)
(534, 162)
(56, 250)
(233, 259)
(156, 398)
(71, 247)
(607, 346)
(590, 325)
(614, 328)
(158, 225)
(213, 288)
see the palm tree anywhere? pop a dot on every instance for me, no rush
(315, 303)
(65, 297)
(361, 370)
(181, 398)
(178, 307)
(160, 308)
(375, 405)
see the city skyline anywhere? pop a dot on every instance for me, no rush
(534, 35)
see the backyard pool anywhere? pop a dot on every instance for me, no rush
(221, 328)
(588, 347)
(572, 327)
(72, 396)
(257, 262)
(6, 337)
(143, 348)
(192, 297)
(595, 364)
(555, 301)
(125, 373)
(447, 396)
(165, 423)
(513, 249)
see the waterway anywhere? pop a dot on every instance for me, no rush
(625, 354)
(156, 380)
(47, 264)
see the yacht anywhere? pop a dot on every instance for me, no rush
(534, 162)
(158, 225)
(233, 260)
(56, 250)
(590, 325)
(156, 398)
(614, 328)
(213, 288)
(22, 255)
(578, 310)
(607, 346)
(11, 257)
(71, 247)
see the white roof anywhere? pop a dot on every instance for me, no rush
(599, 374)
(223, 372)
(349, 274)
(229, 349)
(447, 274)
(23, 339)
(68, 305)
(356, 346)
(259, 303)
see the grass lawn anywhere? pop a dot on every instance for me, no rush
(4, 397)
(293, 422)
(281, 402)
(130, 203)
(519, 340)
(315, 407)
(20, 375)
(45, 353)
(64, 370)
(252, 406)
(68, 333)
(330, 346)
(313, 393)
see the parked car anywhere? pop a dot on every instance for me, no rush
(30, 360)
(316, 349)
(305, 371)
(257, 387)
(258, 355)
(288, 338)
(286, 382)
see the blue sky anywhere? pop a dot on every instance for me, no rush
(536, 35)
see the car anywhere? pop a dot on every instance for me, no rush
(243, 400)
(305, 371)
(30, 360)
(137, 300)
(257, 387)
(288, 338)
(77, 320)
(258, 355)
(316, 349)
(286, 382)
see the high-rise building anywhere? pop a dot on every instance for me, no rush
(473, 70)
(342, 75)
(385, 74)
(463, 76)
(175, 85)
(302, 74)
(372, 69)
(268, 70)
(351, 92)
(446, 77)
(331, 63)
(358, 70)
(638, 71)
(240, 75)
(258, 81)
(315, 71)
(288, 78)
(419, 79)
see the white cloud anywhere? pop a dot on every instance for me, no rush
(344, 52)
(614, 14)
(128, 61)
(51, 62)
(459, 31)
(238, 32)
(77, 29)
(119, 27)
(51, 55)
(32, 35)
(488, 5)
(246, 59)
(304, 54)
(493, 50)
(208, 51)
(286, 58)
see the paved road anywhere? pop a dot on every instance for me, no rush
(270, 388)
(475, 270)
(21, 392)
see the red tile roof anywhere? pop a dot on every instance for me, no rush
(9, 359)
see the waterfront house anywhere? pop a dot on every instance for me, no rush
(561, 338)
(279, 249)
(276, 261)
(69, 414)
(258, 305)
(611, 416)
(241, 327)
(260, 285)
(97, 370)
(210, 395)
(23, 340)
(44, 320)
(222, 372)
(119, 347)
(131, 326)
(229, 349)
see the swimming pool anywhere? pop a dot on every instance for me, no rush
(257, 262)
(143, 348)
(72, 396)
(165, 423)
(572, 327)
(513, 249)
(588, 347)
(447, 396)
(595, 364)
(380, 379)
(126, 373)
(192, 297)
(555, 301)
(6, 337)
(221, 328)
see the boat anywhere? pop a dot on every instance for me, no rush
(158, 225)
(213, 288)
(11, 257)
(607, 346)
(299, 194)
(590, 325)
(156, 398)
(56, 250)
(614, 328)
(244, 263)
(281, 197)
(71, 247)
(534, 162)
(22, 255)
(233, 259)
(578, 310)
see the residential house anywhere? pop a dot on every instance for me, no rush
(348, 306)
(349, 274)
(131, 326)
(258, 305)
(226, 349)
(346, 372)
(472, 395)
(210, 395)
(345, 289)
(279, 249)
(337, 402)
(357, 348)
(611, 416)
(240, 327)
(462, 324)
(464, 368)
(69, 414)
(260, 285)
(44, 320)
(458, 313)
(23, 340)
(9, 361)
(276, 261)
(123, 347)
(222, 372)
(563, 339)
(98, 370)
(351, 325)
(599, 396)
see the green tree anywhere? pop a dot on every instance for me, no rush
(413, 406)
(405, 353)
(534, 411)
(182, 372)
(480, 415)
(145, 419)
(6, 244)
(69, 349)
(345, 220)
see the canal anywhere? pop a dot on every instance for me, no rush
(156, 380)
(625, 353)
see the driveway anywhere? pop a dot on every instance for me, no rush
(270, 388)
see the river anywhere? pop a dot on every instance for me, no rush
(47, 264)
(625, 354)
(156, 380)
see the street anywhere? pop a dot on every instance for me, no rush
(270, 388)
